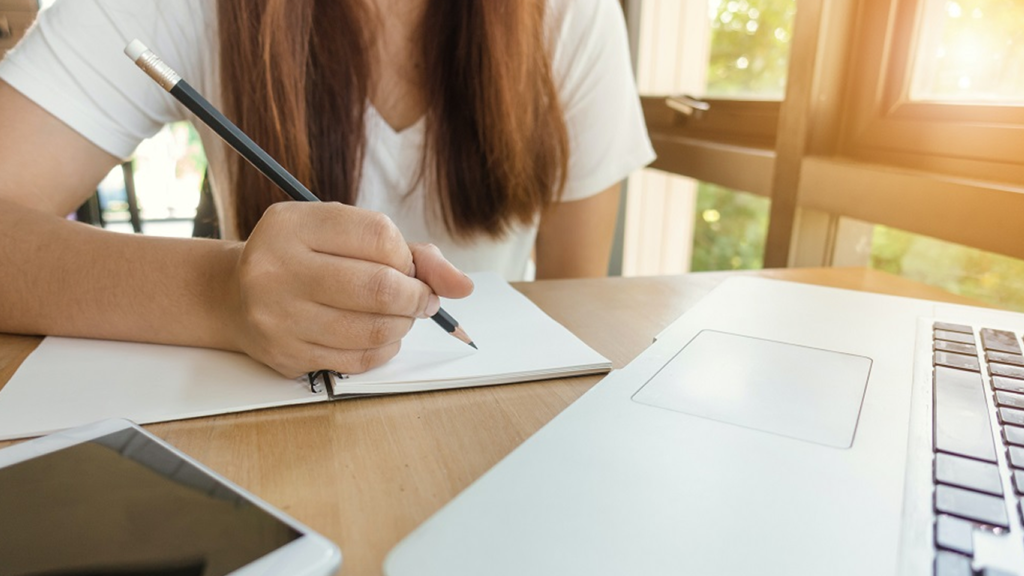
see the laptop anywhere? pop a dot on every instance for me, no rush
(775, 428)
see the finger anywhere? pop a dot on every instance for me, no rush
(361, 286)
(438, 273)
(346, 361)
(340, 230)
(353, 330)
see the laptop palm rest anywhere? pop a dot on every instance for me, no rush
(785, 389)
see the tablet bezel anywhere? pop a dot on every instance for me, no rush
(308, 555)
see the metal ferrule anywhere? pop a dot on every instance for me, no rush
(163, 74)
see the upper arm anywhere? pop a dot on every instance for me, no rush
(72, 103)
(607, 136)
(44, 164)
(574, 239)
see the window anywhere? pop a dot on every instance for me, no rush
(729, 229)
(897, 126)
(977, 274)
(937, 86)
(749, 48)
(970, 51)
(732, 54)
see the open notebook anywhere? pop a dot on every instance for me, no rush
(66, 382)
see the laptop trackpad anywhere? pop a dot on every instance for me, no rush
(784, 389)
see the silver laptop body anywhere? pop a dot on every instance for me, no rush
(776, 428)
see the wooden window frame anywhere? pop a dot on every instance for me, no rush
(732, 144)
(883, 123)
(847, 146)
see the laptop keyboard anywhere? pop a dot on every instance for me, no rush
(970, 484)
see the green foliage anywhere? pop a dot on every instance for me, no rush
(749, 47)
(749, 58)
(729, 229)
(973, 273)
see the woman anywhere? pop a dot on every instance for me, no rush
(487, 129)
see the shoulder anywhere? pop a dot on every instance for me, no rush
(585, 37)
(72, 64)
(574, 25)
(132, 13)
(592, 70)
(98, 27)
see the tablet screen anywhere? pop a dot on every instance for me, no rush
(124, 505)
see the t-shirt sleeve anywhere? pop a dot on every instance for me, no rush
(607, 133)
(72, 64)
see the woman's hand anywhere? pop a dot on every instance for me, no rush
(328, 286)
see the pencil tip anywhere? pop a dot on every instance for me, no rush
(461, 335)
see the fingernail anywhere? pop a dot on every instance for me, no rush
(433, 305)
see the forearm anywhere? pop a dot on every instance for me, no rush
(68, 279)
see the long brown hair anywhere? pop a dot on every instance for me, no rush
(296, 77)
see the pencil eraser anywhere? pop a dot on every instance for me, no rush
(135, 49)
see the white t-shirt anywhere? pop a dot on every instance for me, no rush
(72, 64)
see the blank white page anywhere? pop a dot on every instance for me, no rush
(517, 342)
(67, 382)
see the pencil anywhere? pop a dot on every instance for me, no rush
(173, 83)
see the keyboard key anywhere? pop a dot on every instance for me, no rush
(1011, 416)
(952, 564)
(954, 337)
(953, 327)
(960, 361)
(1015, 359)
(1018, 481)
(1009, 399)
(955, 347)
(971, 505)
(1007, 370)
(1014, 435)
(966, 473)
(1016, 456)
(1008, 384)
(1000, 341)
(961, 415)
(954, 534)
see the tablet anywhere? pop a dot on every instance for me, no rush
(112, 499)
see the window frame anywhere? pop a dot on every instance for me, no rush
(883, 124)
(731, 144)
(848, 143)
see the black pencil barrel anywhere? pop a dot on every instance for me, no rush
(445, 320)
(237, 139)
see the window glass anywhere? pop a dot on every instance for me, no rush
(970, 50)
(984, 276)
(749, 47)
(730, 228)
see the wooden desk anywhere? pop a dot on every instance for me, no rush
(366, 472)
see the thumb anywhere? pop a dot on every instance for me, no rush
(441, 275)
